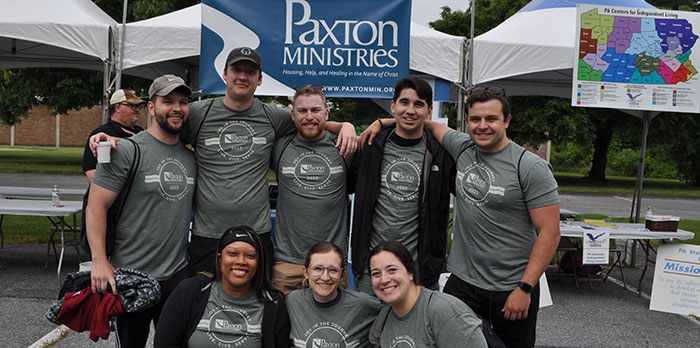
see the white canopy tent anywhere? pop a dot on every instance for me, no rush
(532, 53)
(171, 44)
(62, 34)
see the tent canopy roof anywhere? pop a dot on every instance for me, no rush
(43, 33)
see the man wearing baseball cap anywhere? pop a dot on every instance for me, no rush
(233, 137)
(158, 202)
(123, 109)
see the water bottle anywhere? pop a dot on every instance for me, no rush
(648, 211)
(55, 196)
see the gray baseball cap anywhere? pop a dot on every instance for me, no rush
(244, 53)
(165, 84)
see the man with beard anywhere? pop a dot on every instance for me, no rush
(151, 234)
(312, 199)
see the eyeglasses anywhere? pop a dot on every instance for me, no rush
(314, 88)
(493, 90)
(135, 107)
(333, 272)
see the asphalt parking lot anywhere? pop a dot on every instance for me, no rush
(605, 316)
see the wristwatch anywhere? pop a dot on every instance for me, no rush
(525, 287)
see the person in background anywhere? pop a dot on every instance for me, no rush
(417, 316)
(325, 312)
(238, 307)
(124, 112)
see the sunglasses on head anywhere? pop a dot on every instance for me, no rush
(315, 88)
(493, 90)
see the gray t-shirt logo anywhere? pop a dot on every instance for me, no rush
(327, 335)
(402, 178)
(312, 171)
(403, 341)
(236, 140)
(172, 179)
(228, 326)
(476, 182)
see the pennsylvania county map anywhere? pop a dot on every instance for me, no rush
(630, 49)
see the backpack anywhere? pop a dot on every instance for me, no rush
(114, 212)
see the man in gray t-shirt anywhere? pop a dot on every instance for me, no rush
(151, 234)
(506, 225)
(402, 184)
(312, 203)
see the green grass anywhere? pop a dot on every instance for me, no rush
(19, 229)
(617, 185)
(41, 159)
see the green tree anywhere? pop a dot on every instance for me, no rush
(489, 14)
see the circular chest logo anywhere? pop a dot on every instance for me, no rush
(236, 140)
(402, 178)
(404, 341)
(173, 178)
(476, 182)
(326, 337)
(231, 321)
(312, 171)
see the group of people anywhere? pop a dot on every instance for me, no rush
(244, 289)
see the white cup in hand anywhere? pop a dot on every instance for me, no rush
(104, 149)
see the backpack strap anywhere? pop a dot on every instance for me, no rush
(130, 179)
(518, 170)
(201, 123)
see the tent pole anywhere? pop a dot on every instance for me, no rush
(462, 82)
(470, 64)
(121, 46)
(640, 171)
(105, 90)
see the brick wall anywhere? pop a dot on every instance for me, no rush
(39, 128)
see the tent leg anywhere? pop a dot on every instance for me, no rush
(105, 91)
(640, 175)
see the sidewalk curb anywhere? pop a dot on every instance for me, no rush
(52, 337)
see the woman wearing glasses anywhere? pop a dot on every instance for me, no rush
(325, 314)
(238, 308)
(417, 316)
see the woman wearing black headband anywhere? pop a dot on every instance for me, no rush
(239, 307)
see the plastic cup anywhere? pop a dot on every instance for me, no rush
(103, 152)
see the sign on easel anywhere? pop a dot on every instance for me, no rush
(596, 247)
(676, 287)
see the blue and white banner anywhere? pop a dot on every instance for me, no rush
(355, 48)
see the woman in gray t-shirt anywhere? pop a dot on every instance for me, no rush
(417, 316)
(238, 308)
(325, 314)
